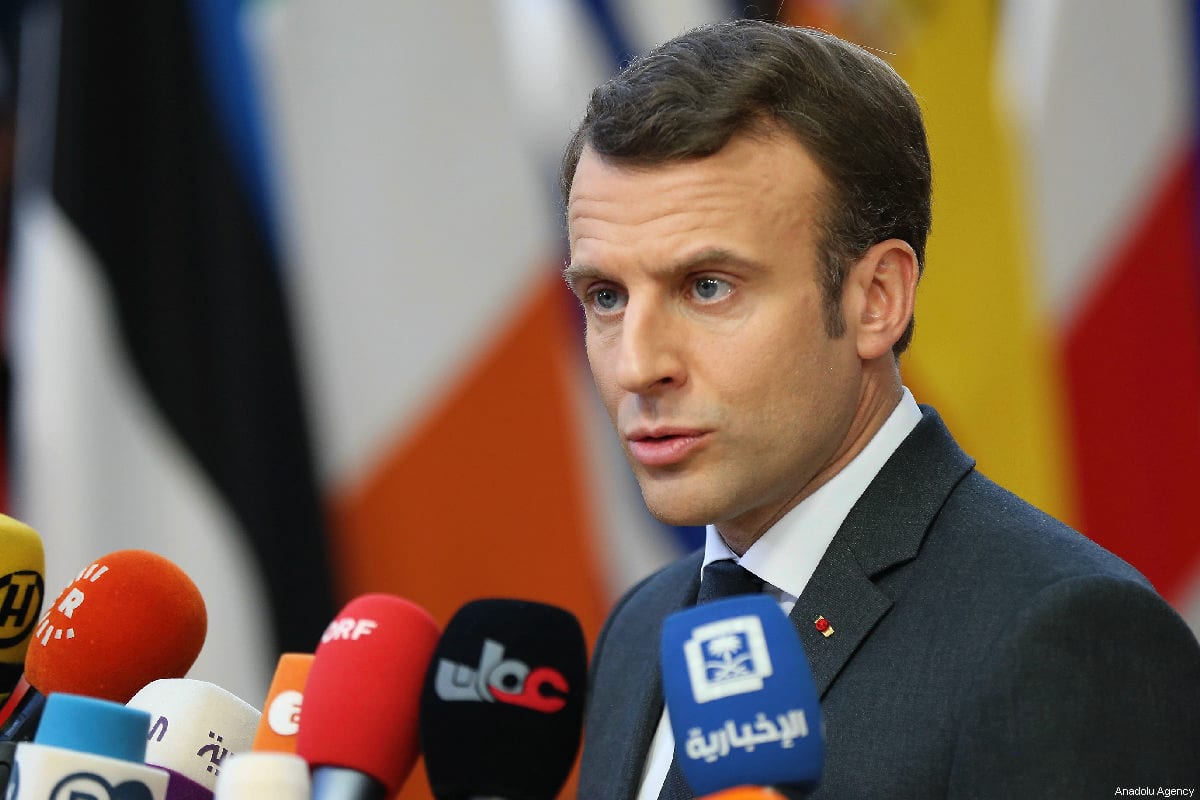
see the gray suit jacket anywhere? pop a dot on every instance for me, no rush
(981, 649)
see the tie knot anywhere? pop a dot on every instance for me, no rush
(727, 578)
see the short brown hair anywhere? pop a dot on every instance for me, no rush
(851, 111)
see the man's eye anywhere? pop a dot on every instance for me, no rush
(606, 299)
(711, 288)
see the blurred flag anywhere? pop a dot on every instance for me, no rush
(437, 337)
(157, 403)
(1110, 146)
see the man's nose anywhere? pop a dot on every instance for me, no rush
(650, 356)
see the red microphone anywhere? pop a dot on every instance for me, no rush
(129, 618)
(358, 724)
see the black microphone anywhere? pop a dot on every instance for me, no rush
(502, 706)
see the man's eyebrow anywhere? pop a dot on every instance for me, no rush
(713, 256)
(573, 274)
(709, 258)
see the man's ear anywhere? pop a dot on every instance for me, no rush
(879, 294)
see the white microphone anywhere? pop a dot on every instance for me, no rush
(194, 727)
(264, 774)
(86, 747)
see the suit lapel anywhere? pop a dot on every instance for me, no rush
(641, 720)
(884, 529)
(849, 602)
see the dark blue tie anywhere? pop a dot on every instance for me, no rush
(721, 579)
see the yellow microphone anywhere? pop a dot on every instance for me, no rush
(22, 589)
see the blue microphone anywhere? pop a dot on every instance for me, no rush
(86, 747)
(740, 697)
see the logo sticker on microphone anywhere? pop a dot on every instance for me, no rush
(727, 657)
(283, 715)
(214, 752)
(90, 786)
(20, 600)
(63, 611)
(500, 679)
(348, 629)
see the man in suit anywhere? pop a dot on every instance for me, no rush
(747, 209)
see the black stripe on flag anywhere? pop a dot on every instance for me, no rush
(143, 172)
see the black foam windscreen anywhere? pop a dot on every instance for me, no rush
(502, 706)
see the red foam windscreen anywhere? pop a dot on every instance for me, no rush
(127, 619)
(362, 698)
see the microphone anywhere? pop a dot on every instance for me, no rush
(258, 775)
(22, 590)
(740, 697)
(86, 748)
(746, 793)
(194, 727)
(502, 706)
(127, 619)
(280, 721)
(358, 731)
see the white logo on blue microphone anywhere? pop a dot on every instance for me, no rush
(727, 657)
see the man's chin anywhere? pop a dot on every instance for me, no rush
(678, 514)
(679, 521)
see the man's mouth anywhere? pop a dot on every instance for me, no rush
(664, 447)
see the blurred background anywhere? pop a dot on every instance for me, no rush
(282, 302)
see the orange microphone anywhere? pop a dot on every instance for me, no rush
(746, 793)
(129, 618)
(280, 720)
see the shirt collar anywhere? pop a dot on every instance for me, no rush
(787, 554)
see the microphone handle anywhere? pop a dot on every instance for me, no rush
(10, 675)
(340, 783)
(22, 723)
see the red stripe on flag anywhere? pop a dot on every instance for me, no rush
(1132, 360)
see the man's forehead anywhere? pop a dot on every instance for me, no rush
(764, 150)
(759, 130)
(594, 165)
(769, 179)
